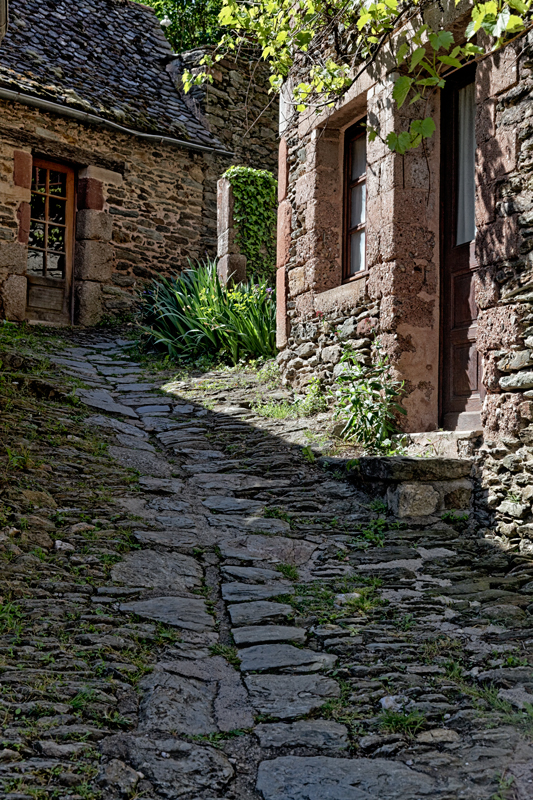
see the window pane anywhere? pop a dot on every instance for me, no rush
(56, 238)
(358, 157)
(55, 266)
(58, 184)
(36, 234)
(358, 205)
(38, 180)
(56, 211)
(357, 252)
(38, 206)
(35, 263)
(466, 186)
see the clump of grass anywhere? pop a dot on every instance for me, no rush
(314, 402)
(288, 571)
(194, 314)
(408, 722)
(228, 652)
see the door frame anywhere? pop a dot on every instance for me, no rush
(70, 235)
(448, 202)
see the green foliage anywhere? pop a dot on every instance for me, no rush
(367, 398)
(313, 403)
(288, 571)
(333, 43)
(193, 314)
(228, 652)
(192, 22)
(255, 214)
(401, 721)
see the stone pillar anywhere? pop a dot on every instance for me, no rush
(93, 261)
(283, 246)
(231, 264)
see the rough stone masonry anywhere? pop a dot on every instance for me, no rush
(191, 609)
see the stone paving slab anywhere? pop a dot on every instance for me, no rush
(145, 463)
(180, 612)
(153, 570)
(325, 778)
(259, 613)
(289, 696)
(244, 592)
(268, 657)
(101, 399)
(261, 634)
(319, 734)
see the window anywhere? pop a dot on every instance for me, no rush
(354, 260)
(52, 217)
(466, 165)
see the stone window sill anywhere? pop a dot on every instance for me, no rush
(347, 295)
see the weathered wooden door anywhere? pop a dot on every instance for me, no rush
(51, 242)
(461, 384)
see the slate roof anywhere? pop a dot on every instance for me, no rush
(105, 57)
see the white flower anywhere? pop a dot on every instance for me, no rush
(165, 22)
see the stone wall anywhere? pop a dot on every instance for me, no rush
(143, 208)
(236, 107)
(397, 296)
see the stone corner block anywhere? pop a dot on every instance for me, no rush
(102, 175)
(90, 194)
(93, 261)
(22, 164)
(281, 308)
(232, 269)
(225, 205)
(227, 244)
(13, 257)
(91, 224)
(413, 500)
(88, 303)
(14, 292)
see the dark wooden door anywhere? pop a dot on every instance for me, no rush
(51, 243)
(461, 379)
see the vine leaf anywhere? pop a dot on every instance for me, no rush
(401, 89)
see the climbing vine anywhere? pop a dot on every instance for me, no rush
(254, 213)
(316, 49)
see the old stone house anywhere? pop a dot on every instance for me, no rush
(108, 173)
(430, 251)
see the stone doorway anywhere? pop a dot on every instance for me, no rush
(460, 367)
(51, 242)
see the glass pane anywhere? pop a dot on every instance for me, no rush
(56, 238)
(358, 157)
(58, 184)
(36, 234)
(358, 205)
(466, 177)
(38, 180)
(55, 265)
(357, 252)
(38, 205)
(57, 211)
(35, 263)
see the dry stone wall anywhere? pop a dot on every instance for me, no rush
(236, 107)
(504, 292)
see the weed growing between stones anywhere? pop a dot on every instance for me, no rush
(288, 571)
(407, 722)
(228, 652)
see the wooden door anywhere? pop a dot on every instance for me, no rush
(51, 243)
(461, 379)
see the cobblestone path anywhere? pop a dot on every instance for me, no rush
(231, 621)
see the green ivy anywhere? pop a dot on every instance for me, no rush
(255, 193)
